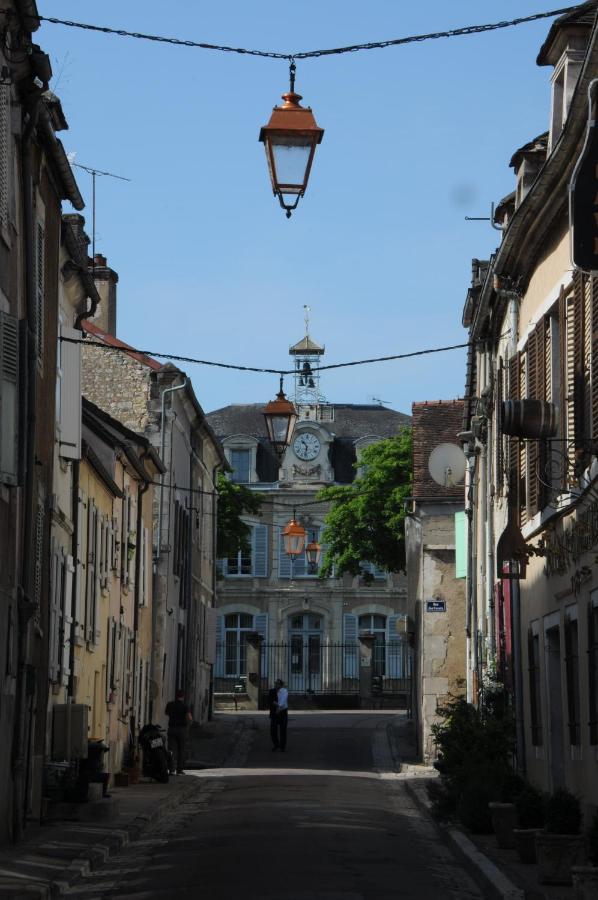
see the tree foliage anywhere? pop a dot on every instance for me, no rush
(367, 518)
(234, 501)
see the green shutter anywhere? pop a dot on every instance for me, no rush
(460, 545)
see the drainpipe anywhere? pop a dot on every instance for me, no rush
(215, 471)
(488, 488)
(141, 490)
(470, 494)
(75, 550)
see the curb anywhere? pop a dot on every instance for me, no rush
(490, 878)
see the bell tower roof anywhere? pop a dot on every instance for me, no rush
(306, 347)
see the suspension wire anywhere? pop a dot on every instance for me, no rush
(221, 365)
(311, 54)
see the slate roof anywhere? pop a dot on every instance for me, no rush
(351, 422)
(306, 345)
(582, 16)
(434, 422)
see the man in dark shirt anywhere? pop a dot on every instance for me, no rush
(179, 716)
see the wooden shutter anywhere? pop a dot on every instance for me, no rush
(67, 619)
(284, 560)
(97, 583)
(70, 396)
(499, 462)
(594, 359)
(9, 380)
(55, 624)
(80, 591)
(90, 573)
(40, 258)
(4, 154)
(513, 443)
(260, 550)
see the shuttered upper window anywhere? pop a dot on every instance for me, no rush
(4, 156)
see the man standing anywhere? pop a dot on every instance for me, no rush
(279, 715)
(179, 717)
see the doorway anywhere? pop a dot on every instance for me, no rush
(555, 705)
(305, 663)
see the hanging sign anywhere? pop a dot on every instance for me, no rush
(583, 196)
(435, 605)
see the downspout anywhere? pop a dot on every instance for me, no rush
(470, 494)
(490, 530)
(75, 549)
(141, 490)
(215, 471)
(27, 414)
(516, 636)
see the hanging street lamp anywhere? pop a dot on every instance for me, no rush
(293, 536)
(313, 553)
(280, 416)
(290, 140)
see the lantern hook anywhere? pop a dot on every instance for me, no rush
(292, 71)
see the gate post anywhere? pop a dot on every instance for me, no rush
(254, 670)
(366, 653)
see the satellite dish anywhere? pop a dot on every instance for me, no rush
(447, 465)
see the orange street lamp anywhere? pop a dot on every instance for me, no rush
(290, 140)
(280, 416)
(293, 535)
(313, 552)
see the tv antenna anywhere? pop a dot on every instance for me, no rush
(94, 174)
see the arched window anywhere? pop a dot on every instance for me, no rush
(235, 626)
(376, 625)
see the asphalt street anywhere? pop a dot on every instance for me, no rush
(327, 819)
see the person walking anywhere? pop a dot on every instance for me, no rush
(278, 699)
(179, 717)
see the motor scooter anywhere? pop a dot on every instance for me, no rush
(157, 758)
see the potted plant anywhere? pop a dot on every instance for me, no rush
(561, 845)
(531, 816)
(585, 878)
(503, 812)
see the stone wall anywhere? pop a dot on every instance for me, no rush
(118, 384)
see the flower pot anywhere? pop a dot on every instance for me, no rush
(557, 854)
(504, 820)
(585, 882)
(525, 843)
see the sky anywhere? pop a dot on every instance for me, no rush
(416, 138)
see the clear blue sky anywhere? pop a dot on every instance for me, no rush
(416, 138)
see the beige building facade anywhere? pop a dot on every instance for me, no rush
(532, 318)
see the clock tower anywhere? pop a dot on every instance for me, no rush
(307, 461)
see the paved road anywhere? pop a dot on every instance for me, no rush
(327, 820)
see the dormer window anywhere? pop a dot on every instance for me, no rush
(240, 461)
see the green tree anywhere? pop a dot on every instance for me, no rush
(234, 501)
(367, 518)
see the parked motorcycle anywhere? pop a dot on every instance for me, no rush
(157, 759)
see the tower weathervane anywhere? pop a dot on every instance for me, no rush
(307, 312)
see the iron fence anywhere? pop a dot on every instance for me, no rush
(309, 665)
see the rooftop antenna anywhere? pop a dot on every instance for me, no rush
(379, 401)
(94, 173)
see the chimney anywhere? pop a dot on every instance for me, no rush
(105, 280)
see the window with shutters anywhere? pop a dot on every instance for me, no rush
(253, 560)
(127, 548)
(522, 445)
(68, 393)
(240, 461)
(572, 672)
(9, 382)
(5, 161)
(39, 554)
(500, 441)
(40, 279)
(593, 666)
(61, 584)
(534, 687)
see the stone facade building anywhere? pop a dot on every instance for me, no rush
(434, 535)
(531, 315)
(309, 626)
(158, 402)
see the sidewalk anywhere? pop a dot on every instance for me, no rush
(56, 855)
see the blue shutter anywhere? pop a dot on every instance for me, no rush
(219, 666)
(395, 655)
(284, 562)
(261, 626)
(351, 646)
(460, 545)
(259, 541)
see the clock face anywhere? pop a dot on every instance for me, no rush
(306, 446)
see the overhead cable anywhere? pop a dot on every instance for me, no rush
(311, 54)
(205, 362)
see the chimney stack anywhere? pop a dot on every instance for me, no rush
(105, 280)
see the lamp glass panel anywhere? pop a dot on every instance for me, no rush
(280, 426)
(291, 158)
(294, 544)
